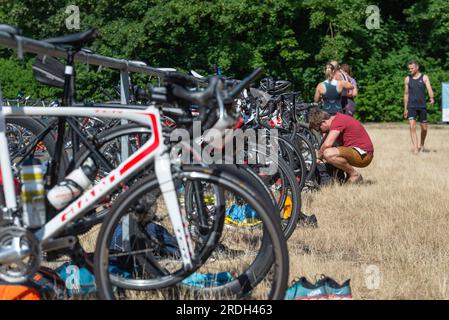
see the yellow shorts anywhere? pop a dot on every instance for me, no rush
(354, 158)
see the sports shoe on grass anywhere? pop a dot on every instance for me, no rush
(324, 289)
(202, 280)
(337, 291)
(304, 290)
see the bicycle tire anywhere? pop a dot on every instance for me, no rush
(308, 153)
(265, 258)
(49, 141)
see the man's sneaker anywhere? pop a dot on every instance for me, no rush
(304, 290)
(337, 291)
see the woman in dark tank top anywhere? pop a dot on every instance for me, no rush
(330, 91)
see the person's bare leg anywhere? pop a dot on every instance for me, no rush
(414, 136)
(332, 156)
(424, 128)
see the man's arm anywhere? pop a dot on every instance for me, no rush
(354, 92)
(429, 89)
(338, 76)
(405, 97)
(328, 142)
(345, 85)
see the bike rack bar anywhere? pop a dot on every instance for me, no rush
(42, 47)
(24, 44)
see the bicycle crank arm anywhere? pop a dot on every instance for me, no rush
(61, 243)
(11, 255)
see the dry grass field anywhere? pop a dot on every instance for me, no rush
(398, 221)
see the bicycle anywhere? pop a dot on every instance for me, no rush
(21, 248)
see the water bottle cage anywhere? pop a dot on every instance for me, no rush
(73, 187)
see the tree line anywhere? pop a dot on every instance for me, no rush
(290, 39)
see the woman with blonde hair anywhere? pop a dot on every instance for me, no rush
(330, 91)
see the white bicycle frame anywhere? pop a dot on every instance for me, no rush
(152, 150)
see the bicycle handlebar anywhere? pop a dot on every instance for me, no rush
(202, 98)
(245, 82)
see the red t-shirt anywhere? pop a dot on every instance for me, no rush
(352, 133)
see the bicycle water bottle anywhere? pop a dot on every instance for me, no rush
(73, 185)
(32, 193)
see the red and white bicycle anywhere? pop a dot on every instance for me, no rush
(193, 198)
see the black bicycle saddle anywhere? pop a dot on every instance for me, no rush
(76, 40)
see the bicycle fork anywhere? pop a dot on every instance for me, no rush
(177, 216)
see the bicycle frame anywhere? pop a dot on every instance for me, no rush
(152, 150)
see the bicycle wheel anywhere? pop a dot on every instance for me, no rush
(312, 135)
(284, 186)
(161, 272)
(112, 142)
(275, 176)
(297, 162)
(109, 144)
(307, 152)
(244, 253)
(22, 135)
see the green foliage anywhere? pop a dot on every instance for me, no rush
(291, 39)
(16, 77)
(429, 24)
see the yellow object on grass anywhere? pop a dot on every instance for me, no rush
(246, 223)
(287, 210)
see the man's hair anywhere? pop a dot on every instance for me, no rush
(413, 62)
(316, 116)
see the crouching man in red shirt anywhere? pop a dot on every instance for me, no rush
(355, 146)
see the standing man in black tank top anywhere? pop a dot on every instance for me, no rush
(415, 103)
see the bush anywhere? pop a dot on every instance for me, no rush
(17, 77)
(381, 96)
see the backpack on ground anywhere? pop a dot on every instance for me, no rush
(46, 284)
(322, 175)
(326, 174)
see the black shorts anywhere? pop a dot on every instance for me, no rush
(413, 114)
